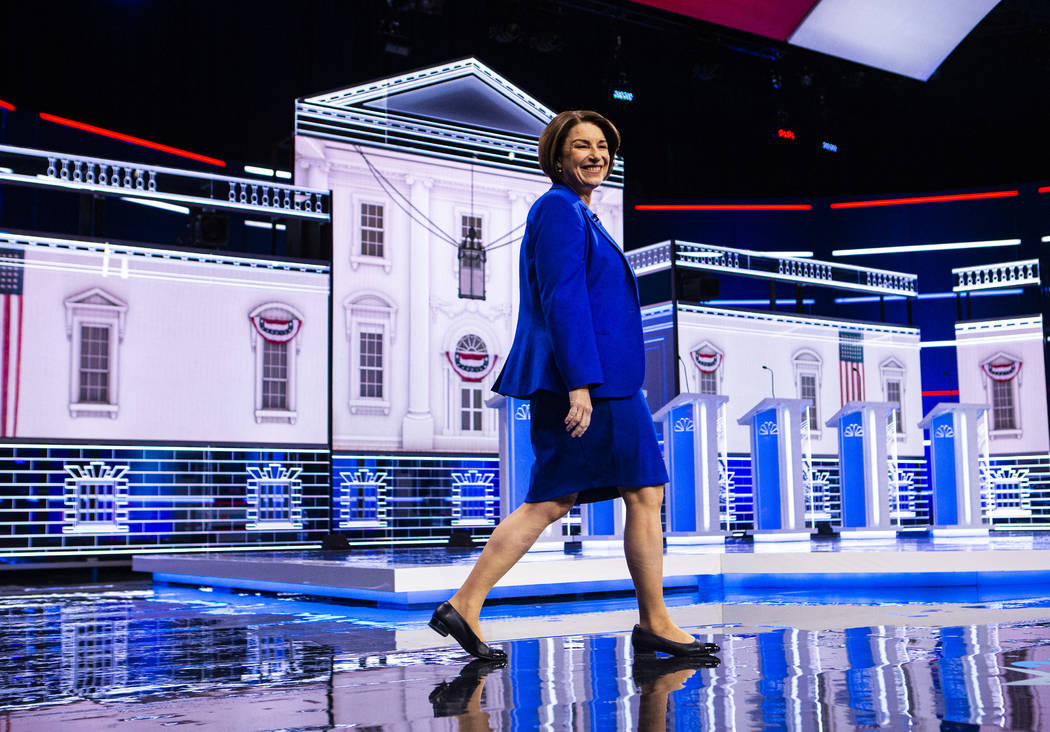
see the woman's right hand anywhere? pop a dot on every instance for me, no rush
(579, 417)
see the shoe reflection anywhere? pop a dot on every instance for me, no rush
(656, 677)
(462, 696)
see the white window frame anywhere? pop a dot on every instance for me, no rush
(369, 311)
(892, 369)
(453, 384)
(98, 308)
(808, 362)
(1015, 389)
(294, 346)
(356, 257)
(718, 373)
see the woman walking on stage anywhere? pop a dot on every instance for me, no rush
(577, 356)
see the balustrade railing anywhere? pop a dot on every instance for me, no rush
(992, 276)
(120, 178)
(747, 263)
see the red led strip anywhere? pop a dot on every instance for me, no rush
(925, 199)
(7, 105)
(949, 392)
(1045, 189)
(134, 140)
(723, 207)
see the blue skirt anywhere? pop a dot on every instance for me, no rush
(619, 449)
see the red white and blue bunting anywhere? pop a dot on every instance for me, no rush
(277, 330)
(707, 361)
(1001, 370)
(471, 365)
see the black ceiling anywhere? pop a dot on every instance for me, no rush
(220, 78)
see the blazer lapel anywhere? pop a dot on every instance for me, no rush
(597, 224)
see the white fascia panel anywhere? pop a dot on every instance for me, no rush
(907, 37)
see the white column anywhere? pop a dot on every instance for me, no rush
(519, 210)
(417, 427)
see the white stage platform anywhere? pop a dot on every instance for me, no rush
(406, 577)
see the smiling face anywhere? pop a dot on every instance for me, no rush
(584, 159)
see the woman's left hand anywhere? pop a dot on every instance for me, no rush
(579, 417)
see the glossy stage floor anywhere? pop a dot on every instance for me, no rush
(138, 656)
(809, 655)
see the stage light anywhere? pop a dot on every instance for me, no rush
(925, 199)
(830, 146)
(1045, 189)
(283, 174)
(8, 171)
(786, 134)
(926, 247)
(780, 301)
(623, 96)
(264, 225)
(256, 170)
(723, 207)
(164, 205)
(7, 105)
(133, 140)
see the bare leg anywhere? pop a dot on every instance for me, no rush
(644, 549)
(508, 543)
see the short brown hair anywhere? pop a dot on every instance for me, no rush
(553, 138)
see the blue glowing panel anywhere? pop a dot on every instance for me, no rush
(406, 499)
(851, 452)
(94, 499)
(945, 498)
(683, 469)
(767, 470)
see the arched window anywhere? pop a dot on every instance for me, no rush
(707, 358)
(891, 372)
(807, 365)
(471, 369)
(275, 334)
(1002, 379)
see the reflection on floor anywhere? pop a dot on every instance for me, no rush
(131, 656)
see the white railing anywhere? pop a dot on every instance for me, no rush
(173, 185)
(764, 265)
(992, 276)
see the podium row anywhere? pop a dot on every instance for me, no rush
(694, 451)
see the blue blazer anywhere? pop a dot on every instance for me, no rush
(579, 321)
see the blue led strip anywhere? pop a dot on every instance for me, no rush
(58, 499)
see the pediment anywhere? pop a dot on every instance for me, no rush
(465, 93)
(96, 296)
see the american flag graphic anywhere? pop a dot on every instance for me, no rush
(11, 338)
(851, 366)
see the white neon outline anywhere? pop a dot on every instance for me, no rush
(789, 464)
(961, 435)
(163, 205)
(949, 246)
(873, 459)
(701, 460)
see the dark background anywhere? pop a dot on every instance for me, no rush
(220, 78)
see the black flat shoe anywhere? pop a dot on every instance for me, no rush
(447, 621)
(645, 642)
(452, 699)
